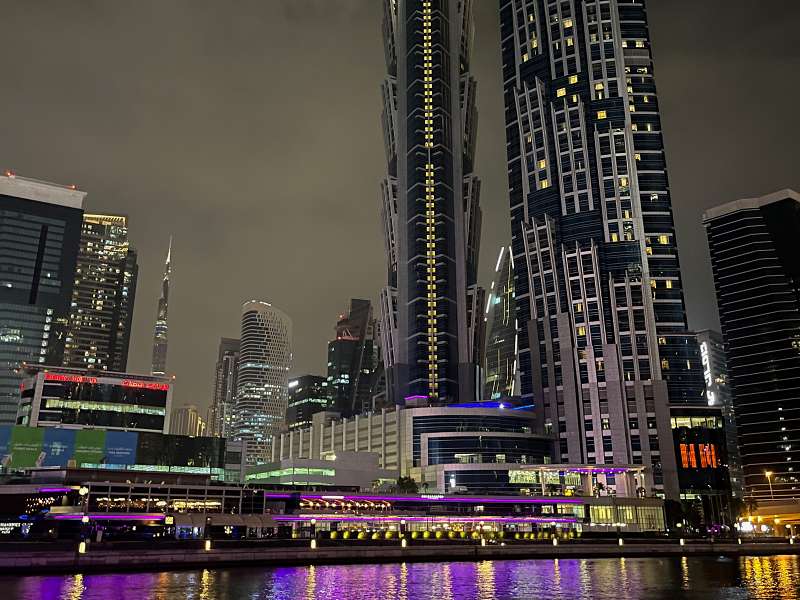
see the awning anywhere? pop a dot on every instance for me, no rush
(227, 520)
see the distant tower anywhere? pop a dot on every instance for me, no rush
(501, 346)
(262, 391)
(351, 360)
(225, 375)
(161, 334)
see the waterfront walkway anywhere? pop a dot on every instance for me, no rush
(22, 558)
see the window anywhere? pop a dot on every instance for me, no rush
(542, 164)
(614, 237)
(544, 184)
(525, 57)
(567, 23)
(581, 330)
(663, 239)
(601, 114)
(561, 92)
(573, 79)
(664, 364)
(669, 284)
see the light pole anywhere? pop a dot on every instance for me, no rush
(768, 475)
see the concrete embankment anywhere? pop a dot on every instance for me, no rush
(155, 559)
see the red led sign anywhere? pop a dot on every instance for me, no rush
(69, 378)
(707, 456)
(145, 385)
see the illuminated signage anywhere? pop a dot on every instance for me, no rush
(520, 476)
(69, 378)
(702, 456)
(145, 385)
(705, 358)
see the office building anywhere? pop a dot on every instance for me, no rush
(718, 393)
(226, 371)
(351, 360)
(186, 420)
(432, 308)
(101, 312)
(161, 331)
(262, 388)
(501, 338)
(604, 349)
(88, 399)
(308, 394)
(40, 228)
(753, 244)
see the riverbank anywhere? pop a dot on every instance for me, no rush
(157, 559)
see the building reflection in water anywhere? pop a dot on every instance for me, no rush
(756, 578)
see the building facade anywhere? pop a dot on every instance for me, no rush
(431, 310)
(443, 448)
(351, 360)
(101, 312)
(308, 394)
(718, 394)
(604, 348)
(88, 399)
(262, 388)
(226, 371)
(757, 280)
(501, 338)
(161, 331)
(186, 420)
(40, 228)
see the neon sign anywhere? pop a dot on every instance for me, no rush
(69, 378)
(705, 358)
(145, 385)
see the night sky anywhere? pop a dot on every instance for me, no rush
(251, 132)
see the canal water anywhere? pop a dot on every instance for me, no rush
(764, 578)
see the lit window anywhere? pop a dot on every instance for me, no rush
(579, 307)
(542, 164)
(653, 283)
(614, 237)
(581, 330)
(570, 41)
(573, 79)
(601, 114)
(663, 239)
(637, 156)
(669, 284)
(567, 23)
(665, 364)
(525, 57)
(561, 92)
(544, 184)
(639, 44)
(598, 86)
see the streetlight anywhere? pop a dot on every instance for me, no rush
(768, 475)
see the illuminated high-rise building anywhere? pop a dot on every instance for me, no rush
(351, 360)
(161, 332)
(501, 338)
(220, 414)
(40, 228)
(604, 348)
(262, 387)
(432, 308)
(101, 312)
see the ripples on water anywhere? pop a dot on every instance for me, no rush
(761, 578)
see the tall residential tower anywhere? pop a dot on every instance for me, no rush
(501, 341)
(351, 360)
(604, 349)
(161, 332)
(262, 390)
(101, 313)
(432, 317)
(220, 414)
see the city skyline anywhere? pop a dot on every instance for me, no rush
(172, 184)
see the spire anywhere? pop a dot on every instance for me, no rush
(161, 332)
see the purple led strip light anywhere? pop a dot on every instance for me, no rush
(436, 518)
(54, 490)
(433, 498)
(102, 517)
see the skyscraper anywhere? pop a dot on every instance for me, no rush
(161, 332)
(718, 393)
(263, 380)
(101, 312)
(186, 420)
(754, 258)
(308, 394)
(501, 344)
(225, 376)
(431, 310)
(40, 228)
(603, 342)
(351, 360)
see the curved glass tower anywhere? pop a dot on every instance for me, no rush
(431, 309)
(262, 388)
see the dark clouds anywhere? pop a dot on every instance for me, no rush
(250, 131)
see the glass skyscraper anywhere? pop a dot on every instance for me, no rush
(101, 311)
(432, 308)
(226, 371)
(604, 349)
(754, 258)
(265, 357)
(308, 394)
(40, 228)
(501, 339)
(351, 360)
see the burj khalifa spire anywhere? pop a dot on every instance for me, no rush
(161, 333)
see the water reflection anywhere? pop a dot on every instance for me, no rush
(757, 578)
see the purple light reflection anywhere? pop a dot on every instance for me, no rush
(435, 498)
(103, 517)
